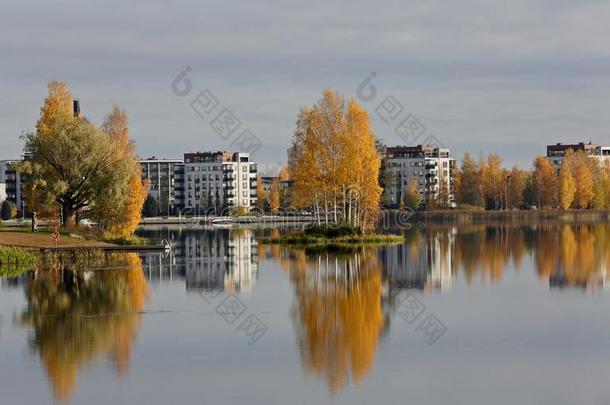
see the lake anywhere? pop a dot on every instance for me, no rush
(473, 314)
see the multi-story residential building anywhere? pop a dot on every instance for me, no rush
(430, 167)
(267, 182)
(166, 183)
(557, 152)
(14, 183)
(219, 180)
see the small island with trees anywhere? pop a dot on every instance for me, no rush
(336, 174)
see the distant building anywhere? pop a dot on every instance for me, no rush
(219, 180)
(166, 183)
(429, 166)
(267, 181)
(14, 183)
(557, 152)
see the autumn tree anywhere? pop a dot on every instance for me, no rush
(74, 164)
(545, 182)
(469, 188)
(337, 166)
(57, 108)
(493, 181)
(274, 195)
(516, 186)
(581, 170)
(601, 187)
(567, 185)
(411, 198)
(120, 210)
(261, 196)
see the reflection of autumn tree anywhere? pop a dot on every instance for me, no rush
(485, 250)
(339, 316)
(565, 254)
(75, 316)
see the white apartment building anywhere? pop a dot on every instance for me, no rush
(166, 183)
(219, 180)
(557, 152)
(429, 166)
(14, 183)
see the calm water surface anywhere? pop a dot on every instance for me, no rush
(454, 315)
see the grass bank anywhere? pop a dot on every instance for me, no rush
(68, 238)
(15, 261)
(337, 236)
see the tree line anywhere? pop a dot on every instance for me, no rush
(580, 183)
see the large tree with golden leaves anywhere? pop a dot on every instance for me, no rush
(545, 182)
(581, 170)
(76, 165)
(567, 185)
(337, 167)
(120, 213)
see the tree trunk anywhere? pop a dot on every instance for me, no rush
(335, 206)
(66, 213)
(325, 209)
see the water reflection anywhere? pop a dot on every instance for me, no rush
(211, 260)
(74, 317)
(338, 313)
(343, 302)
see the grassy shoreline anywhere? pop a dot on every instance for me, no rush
(15, 261)
(25, 238)
(301, 240)
(333, 236)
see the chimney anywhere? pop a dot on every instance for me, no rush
(76, 107)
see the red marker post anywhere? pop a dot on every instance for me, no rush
(55, 236)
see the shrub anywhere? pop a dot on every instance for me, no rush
(8, 210)
(150, 207)
(332, 230)
(239, 211)
(467, 207)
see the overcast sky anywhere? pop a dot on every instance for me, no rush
(491, 76)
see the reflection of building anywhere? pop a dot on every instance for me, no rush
(421, 264)
(166, 182)
(557, 152)
(213, 260)
(431, 168)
